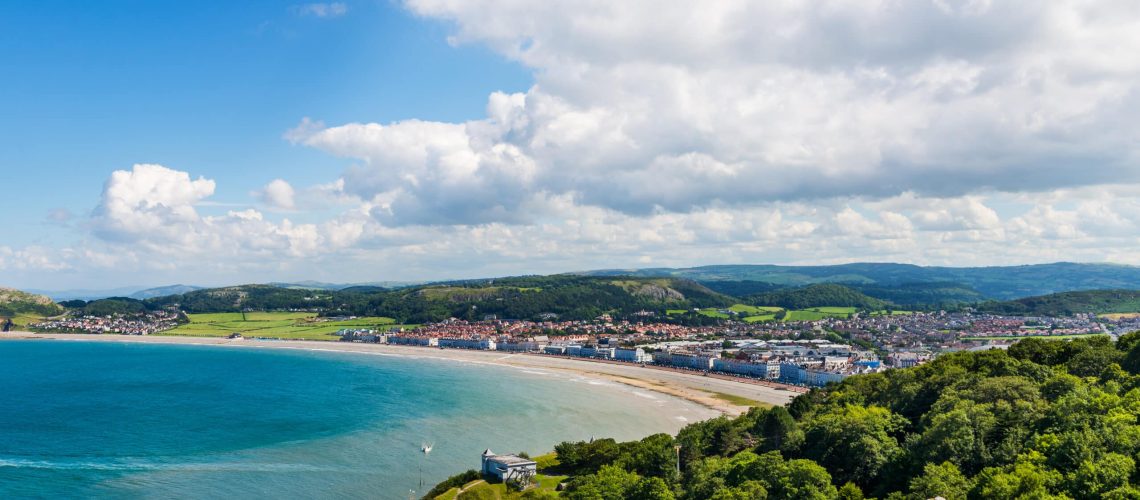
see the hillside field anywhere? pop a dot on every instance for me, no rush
(757, 314)
(280, 325)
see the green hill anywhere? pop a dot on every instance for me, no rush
(1000, 283)
(18, 308)
(1045, 419)
(531, 297)
(1069, 303)
(17, 303)
(817, 296)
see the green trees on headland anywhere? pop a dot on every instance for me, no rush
(1047, 419)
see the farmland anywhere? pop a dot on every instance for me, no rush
(279, 325)
(757, 314)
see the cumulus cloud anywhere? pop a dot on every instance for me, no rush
(148, 200)
(738, 103)
(947, 132)
(277, 194)
(154, 208)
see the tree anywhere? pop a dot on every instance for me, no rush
(943, 480)
(1020, 480)
(1095, 479)
(749, 490)
(653, 456)
(609, 482)
(849, 491)
(650, 488)
(804, 479)
(853, 442)
(775, 427)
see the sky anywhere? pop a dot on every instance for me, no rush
(212, 143)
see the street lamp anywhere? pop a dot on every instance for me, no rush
(677, 449)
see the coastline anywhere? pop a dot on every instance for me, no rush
(692, 387)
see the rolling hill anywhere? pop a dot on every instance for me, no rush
(21, 307)
(998, 283)
(1069, 303)
(821, 295)
(562, 296)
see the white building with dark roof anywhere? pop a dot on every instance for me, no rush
(508, 467)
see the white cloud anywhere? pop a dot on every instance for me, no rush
(943, 132)
(277, 194)
(321, 10)
(148, 200)
(736, 103)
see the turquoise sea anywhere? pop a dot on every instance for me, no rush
(122, 420)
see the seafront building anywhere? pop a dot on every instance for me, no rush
(508, 467)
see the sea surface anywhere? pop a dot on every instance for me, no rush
(121, 420)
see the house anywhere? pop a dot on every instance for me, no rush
(508, 467)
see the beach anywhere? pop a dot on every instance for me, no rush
(718, 393)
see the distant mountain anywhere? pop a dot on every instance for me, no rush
(1004, 283)
(15, 303)
(1069, 303)
(824, 294)
(163, 291)
(320, 285)
(88, 294)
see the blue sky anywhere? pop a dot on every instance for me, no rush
(211, 143)
(99, 86)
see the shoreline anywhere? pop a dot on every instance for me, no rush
(693, 387)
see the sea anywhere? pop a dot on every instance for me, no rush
(131, 420)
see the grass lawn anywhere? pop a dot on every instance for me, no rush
(739, 400)
(713, 312)
(806, 315)
(283, 325)
(23, 320)
(483, 490)
(833, 310)
(759, 318)
(672, 312)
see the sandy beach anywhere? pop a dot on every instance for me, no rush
(694, 387)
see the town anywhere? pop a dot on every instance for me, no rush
(794, 353)
(797, 353)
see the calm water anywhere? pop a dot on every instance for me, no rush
(111, 420)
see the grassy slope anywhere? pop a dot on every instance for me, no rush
(285, 325)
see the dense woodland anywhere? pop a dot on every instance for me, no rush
(821, 295)
(1048, 419)
(1069, 303)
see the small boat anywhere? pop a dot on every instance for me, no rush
(426, 448)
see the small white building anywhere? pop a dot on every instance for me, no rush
(508, 467)
(636, 355)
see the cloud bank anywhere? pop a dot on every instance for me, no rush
(955, 132)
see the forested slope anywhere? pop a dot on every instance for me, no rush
(1048, 419)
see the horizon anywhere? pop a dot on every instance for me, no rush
(136, 288)
(428, 140)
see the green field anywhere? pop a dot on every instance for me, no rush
(713, 312)
(23, 320)
(759, 318)
(279, 325)
(740, 400)
(754, 310)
